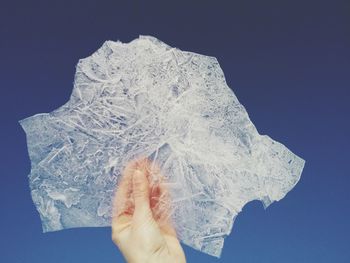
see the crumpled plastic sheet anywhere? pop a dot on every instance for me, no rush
(174, 107)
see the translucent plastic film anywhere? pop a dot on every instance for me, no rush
(174, 107)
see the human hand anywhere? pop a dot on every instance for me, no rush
(141, 225)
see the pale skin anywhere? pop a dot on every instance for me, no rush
(141, 224)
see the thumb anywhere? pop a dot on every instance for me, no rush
(141, 192)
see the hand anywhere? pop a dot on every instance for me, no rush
(141, 225)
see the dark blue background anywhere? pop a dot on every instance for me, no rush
(288, 63)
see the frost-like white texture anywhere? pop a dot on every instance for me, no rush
(147, 98)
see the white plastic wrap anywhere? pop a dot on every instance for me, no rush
(147, 98)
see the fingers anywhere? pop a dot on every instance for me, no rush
(163, 210)
(123, 202)
(141, 193)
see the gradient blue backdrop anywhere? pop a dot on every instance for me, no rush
(288, 63)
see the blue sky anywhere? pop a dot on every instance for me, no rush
(288, 63)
